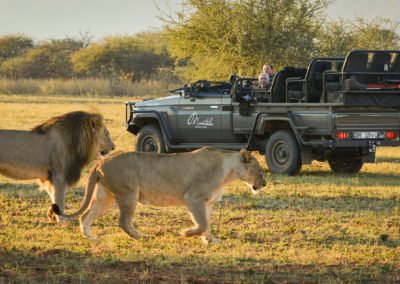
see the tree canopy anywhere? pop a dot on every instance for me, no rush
(47, 60)
(133, 58)
(337, 38)
(206, 39)
(218, 37)
(214, 38)
(12, 46)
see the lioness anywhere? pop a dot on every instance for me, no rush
(194, 179)
(55, 151)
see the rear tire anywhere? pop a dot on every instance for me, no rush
(150, 139)
(346, 166)
(283, 153)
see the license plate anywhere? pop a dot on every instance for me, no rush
(368, 135)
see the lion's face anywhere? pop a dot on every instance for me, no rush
(106, 144)
(251, 172)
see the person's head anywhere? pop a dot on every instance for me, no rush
(267, 68)
(263, 80)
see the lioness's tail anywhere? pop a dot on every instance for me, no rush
(93, 178)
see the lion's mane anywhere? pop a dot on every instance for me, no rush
(80, 134)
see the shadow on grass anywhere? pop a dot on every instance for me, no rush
(382, 240)
(320, 178)
(311, 203)
(62, 266)
(33, 190)
(388, 160)
(285, 201)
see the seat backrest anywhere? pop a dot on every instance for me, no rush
(395, 63)
(356, 62)
(339, 65)
(379, 62)
(278, 88)
(337, 68)
(314, 79)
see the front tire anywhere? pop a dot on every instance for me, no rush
(346, 166)
(149, 139)
(283, 153)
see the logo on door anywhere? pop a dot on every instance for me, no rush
(194, 120)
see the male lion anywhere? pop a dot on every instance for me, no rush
(55, 151)
(194, 179)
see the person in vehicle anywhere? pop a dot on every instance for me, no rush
(352, 84)
(267, 68)
(263, 80)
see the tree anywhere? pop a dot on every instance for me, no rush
(338, 38)
(127, 58)
(12, 46)
(47, 60)
(215, 38)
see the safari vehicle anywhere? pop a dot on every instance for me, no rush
(337, 110)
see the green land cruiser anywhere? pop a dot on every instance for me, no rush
(337, 110)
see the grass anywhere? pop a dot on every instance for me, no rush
(91, 87)
(317, 227)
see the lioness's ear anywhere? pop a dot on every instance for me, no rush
(246, 156)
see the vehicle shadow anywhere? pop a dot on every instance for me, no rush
(299, 202)
(388, 160)
(365, 179)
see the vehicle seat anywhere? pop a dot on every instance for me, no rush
(395, 66)
(356, 62)
(333, 81)
(313, 83)
(314, 80)
(395, 63)
(378, 63)
(278, 88)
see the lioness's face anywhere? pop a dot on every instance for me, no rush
(106, 144)
(251, 172)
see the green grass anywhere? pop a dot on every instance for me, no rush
(317, 227)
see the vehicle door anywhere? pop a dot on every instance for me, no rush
(199, 118)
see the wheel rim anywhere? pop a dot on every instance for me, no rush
(149, 145)
(281, 153)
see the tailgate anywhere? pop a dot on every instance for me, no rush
(370, 121)
(364, 128)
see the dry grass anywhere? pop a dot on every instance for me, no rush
(317, 227)
(84, 87)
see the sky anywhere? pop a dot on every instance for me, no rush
(49, 19)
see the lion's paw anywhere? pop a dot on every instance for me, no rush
(51, 215)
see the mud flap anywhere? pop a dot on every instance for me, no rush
(306, 155)
(369, 158)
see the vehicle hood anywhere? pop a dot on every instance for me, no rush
(171, 100)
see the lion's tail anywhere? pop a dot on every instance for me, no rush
(93, 178)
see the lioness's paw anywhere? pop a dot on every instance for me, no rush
(208, 241)
(146, 237)
(186, 233)
(93, 238)
(141, 236)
